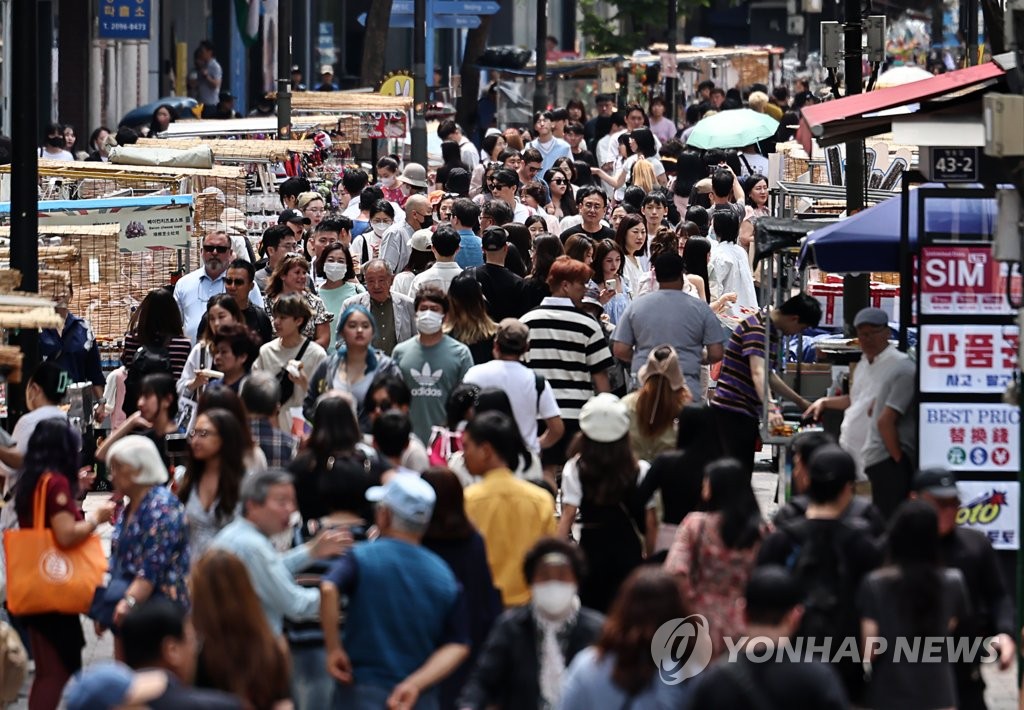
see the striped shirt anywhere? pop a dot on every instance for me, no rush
(567, 347)
(735, 391)
(177, 348)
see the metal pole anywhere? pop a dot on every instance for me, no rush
(540, 92)
(284, 69)
(856, 289)
(670, 83)
(972, 32)
(25, 88)
(419, 83)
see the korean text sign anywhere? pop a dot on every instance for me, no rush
(967, 358)
(124, 19)
(992, 508)
(977, 437)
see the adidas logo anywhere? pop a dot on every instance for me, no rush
(426, 377)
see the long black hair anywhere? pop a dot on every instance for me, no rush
(914, 550)
(732, 496)
(53, 448)
(695, 261)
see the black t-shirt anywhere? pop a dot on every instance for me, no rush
(779, 685)
(602, 233)
(503, 291)
(257, 320)
(180, 697)
(587, 157)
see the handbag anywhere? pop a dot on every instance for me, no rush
(105, 600)
(44, 578)
(287, 386)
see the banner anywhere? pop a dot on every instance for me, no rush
(124, 19)
(967, 358)
(992, 508)
(969, 436)
(957, 280)
(146, 222)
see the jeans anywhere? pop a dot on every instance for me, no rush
(312, 686)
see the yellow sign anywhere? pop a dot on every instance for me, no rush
(397, 84)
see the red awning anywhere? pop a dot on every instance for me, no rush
(816, 120)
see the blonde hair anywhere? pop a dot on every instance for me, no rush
(303, 200)
(757, 101)
(643, 175)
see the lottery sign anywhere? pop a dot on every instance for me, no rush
(960, 358)
(972, 437)
(992, 508)
(956, 280)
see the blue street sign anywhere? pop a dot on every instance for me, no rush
(463, 7)
(438, 22)
(124, 19)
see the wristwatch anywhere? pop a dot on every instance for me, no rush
(130, 601)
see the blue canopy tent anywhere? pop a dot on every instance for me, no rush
(870, 240)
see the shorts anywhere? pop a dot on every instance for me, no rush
(556, 455)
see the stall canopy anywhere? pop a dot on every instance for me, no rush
(870, 240)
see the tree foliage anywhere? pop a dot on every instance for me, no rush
(633, 24)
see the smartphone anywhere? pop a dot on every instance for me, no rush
(610, 284)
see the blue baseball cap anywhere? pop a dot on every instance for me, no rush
(101, 685)
(406, 495)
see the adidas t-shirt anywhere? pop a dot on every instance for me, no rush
(431, 373)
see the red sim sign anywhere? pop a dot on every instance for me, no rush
(964, 279)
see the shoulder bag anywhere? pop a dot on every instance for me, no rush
(44, 578)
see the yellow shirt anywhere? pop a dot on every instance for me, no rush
(511, 515)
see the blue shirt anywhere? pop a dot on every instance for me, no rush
(194, 290)
(588, 684)
(471, 250)
(74, 349)
(403, 604)
(271, 572)
(550, 152)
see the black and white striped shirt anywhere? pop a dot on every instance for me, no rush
(567, 347)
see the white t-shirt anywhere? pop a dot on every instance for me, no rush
(572, 489)
(729, 270)
(520, 384)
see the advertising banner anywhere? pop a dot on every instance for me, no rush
(975, 437)
(146, 222)
(992, 508)
(967, 358)
(964, 280)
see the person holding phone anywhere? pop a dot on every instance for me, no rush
(611, 289)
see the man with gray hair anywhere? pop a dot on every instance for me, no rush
(393, 311)
(406, 626)
(268, 501)
(261, 395)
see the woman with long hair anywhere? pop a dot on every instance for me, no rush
(157, 324)
(613, 292)
(521, 244)
(617, 671)
(292, 277)
(221, 310)
(601, 480)
(546, 249)
(537, 226)
(534, 194)
(54, 145)
(56, 639)
(913, 596)
(562, 203)
(467, 320)
(581, 248)
(353, 363)
(454, 539)
(451, 157)
(163, 116)
(696, 256)
(631, 236)
(336, 266)
(577, 111)
(230, 622)
(653, 408)
(213, 476)
(714, 551)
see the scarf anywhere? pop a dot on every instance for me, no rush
(551, 657)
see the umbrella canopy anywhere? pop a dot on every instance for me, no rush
(732, 129)
(898, 76)
(870, 240)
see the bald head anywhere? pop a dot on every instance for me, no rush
(417, 209)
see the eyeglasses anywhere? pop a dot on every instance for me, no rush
(202, 433)
(558, 182)
(314, 210)
(382, 406)
(217, 249)
(592, 206)
(235, 282)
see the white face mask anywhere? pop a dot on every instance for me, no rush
(380, 227)
(428, 322)
(553, 598)
(387, 181)
(334, 271)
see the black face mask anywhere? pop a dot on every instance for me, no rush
(427, 221)
(55, 141)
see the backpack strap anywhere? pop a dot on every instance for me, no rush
(302, 350)
(538, 382)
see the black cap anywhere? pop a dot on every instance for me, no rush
(293, 217)
(831, 463)
(668, 266)
(296, 69)
(937, 482)
(226, 96)
(494, 239)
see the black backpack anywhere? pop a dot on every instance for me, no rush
(149, 359)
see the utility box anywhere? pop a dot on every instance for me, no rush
(1004, 117)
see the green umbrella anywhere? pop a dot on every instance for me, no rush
(732, 129)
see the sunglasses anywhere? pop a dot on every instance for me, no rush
(235, 282)
(558, 182)
(532, 169)
(382, 406)
(217, 249)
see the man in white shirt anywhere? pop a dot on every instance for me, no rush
(394, 245)
(729, 268)
(529, 393)
(875, 368)
(445, 245)
(607, 151)
(504, 186)
(449, 130)
(209, 75)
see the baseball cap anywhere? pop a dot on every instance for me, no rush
(494, 239)
(667, 367)
(101, 685)
(668, 266)
(406, 495)
(513, 336)
(296, 69)
(604, 418)
(420, 240)
(226, 96)
(937, 482)
(292, 215)
(832, 463)
(871, 316)
(326, 69)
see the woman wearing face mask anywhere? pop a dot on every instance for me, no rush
(353, 363)
(335, 265)
(387, 173)
(523, 661)
(55, 146)
(381, 217)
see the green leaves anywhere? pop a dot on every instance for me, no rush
(628, 24)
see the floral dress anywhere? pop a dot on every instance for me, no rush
(153, 544)
(712, 575)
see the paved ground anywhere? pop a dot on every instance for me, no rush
(1001, 693)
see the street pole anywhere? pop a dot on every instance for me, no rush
(25, 178)
(670, 83)
(540, 91)
(284, 69)
(972, 32)
(419, 83)
(856, 289)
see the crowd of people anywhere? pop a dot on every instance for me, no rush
(469, 437)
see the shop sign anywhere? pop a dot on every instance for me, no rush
(964, 280)
(991, 508)
(146, 222)
(124, 19)
(974, 437)
(962, 358)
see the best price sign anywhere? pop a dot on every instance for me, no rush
(960, 358)
(964, 280)
(969, 436)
